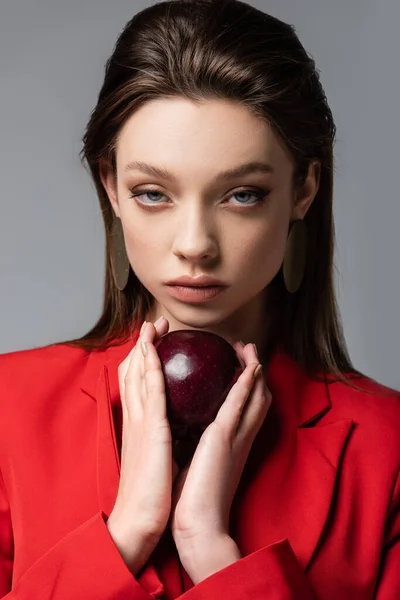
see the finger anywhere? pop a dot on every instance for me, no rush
(123, 368)
(161, 326)
(233, 407)
(147, 334)
(246, 353)
(156, 329)
(249, 353)
(151, 332)
(154, 381)
(258, 402)
(128, 364)
(131, 370)
(255, 411)
(229, 414)
(238, 346)
(132, 367)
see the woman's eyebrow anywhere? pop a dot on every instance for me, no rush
(240, 171)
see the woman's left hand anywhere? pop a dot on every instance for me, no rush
(204, 490)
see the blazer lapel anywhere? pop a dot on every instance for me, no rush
(108, 461)
(313, 486)
(288, 485)
(100, 383)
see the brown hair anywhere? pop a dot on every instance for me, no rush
(208, 49)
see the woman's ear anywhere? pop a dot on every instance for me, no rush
(108, 179)
(306, 192)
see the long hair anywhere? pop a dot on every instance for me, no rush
(227, 49)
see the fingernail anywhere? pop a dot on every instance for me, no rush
(256, 372)
(158, 322)
(243, 344)
(255, 350)
(143, 348)
(143, 327)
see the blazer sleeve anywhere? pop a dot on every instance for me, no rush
(84, 564)
(271, 573)
(388, 585)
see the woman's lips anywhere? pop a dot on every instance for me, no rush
(195, 295)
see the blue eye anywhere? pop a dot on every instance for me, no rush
(259, 197)
(146, 193)
(249, 193)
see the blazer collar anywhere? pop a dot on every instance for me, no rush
(305, 399)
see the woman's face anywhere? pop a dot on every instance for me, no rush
(198, 221)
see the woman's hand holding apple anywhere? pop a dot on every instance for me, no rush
(143, 503)
(204, 490)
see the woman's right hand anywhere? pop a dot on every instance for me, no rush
(148, 471)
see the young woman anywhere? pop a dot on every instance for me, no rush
(211, 151)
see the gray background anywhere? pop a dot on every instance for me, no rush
(52, 56)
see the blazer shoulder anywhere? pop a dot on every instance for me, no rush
(30, 380)
(371, 399)
(375, 409)
(25, 374)
(22, 363)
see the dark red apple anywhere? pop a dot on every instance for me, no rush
(199, 370)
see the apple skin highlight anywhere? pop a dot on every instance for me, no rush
(199, 369)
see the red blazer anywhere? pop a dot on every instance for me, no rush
(316, 514)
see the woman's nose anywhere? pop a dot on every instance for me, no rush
(195, 238)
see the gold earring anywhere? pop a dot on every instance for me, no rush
(119, 258)
(295, 256)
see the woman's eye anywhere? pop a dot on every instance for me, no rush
(258, 197)
(139, 193)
